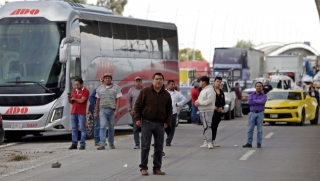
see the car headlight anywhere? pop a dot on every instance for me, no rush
(57, 113)
(293, 107)
(245, 95)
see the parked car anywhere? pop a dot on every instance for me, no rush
(295, 106)
(185, 110)
(1, 130)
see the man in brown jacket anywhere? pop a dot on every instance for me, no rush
(154, 107)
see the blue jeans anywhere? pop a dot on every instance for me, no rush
(96, 127)
(77, 119)
(255, 119)
(106, 116)
(194, 111)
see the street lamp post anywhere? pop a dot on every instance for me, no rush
(195, 35)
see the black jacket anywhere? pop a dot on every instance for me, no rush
(220, 99)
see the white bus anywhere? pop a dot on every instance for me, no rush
(45, 45)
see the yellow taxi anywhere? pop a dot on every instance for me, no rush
(294, 106)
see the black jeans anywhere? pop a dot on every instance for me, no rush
(216, 118)
(171, 128)
(149, 128)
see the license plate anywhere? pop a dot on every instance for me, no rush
(273, 115)
(16, 125)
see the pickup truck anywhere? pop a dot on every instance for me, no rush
(230, 97)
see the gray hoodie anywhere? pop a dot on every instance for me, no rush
(132, 96)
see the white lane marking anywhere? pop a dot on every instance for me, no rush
(10, 144)
(247, 155)
(269, 135)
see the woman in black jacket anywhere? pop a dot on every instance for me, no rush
(219, 106)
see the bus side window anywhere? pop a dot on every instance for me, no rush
(120, 46)
(132, 37)
(170, 44)
(144, 42)
(156, 43)
(106, 40)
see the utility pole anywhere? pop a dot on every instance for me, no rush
(211, 35)
(194, 42)
(148, 11)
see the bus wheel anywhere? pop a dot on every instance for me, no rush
(90, 126)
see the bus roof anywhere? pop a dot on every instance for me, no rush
(61, 11)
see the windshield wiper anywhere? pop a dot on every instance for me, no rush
(45, 88)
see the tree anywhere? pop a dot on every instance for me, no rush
(116, 6)
(244, 44)
(77, 1)
(186, 54)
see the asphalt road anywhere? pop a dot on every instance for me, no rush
(289, 153)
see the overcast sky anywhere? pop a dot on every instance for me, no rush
(220, 23)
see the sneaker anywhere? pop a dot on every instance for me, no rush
(205, 144)
(210, 146)
(247, 145)
(215, 144)
(101, 148)
(82, 148)
(112, 147)
(168, 144)
(259, 146)
(73, 147)
(137, 147)
(97, 144)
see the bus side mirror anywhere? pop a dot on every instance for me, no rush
(63, 50)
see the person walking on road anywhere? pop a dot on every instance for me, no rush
(153, 112)
(107, 106)
(206, 105)
(96, 122)
(238, 100)
(298, 86)
(132, 96)
(194, 97)
(267, 87)
(178, 100)
(313, 92)
(78, 99)
(219, 106)
(257, 101)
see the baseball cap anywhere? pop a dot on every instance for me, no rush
(299, 81)
(196, 85)
(107, 75)
(137, 78)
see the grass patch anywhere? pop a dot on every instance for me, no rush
(18, 158)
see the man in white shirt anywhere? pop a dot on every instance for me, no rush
(178, 100)
(298, 86)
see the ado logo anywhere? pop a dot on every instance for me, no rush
(25, 11)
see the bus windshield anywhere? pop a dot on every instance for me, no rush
(29, 51)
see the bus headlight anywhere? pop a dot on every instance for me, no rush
(57, 113)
